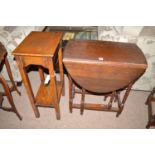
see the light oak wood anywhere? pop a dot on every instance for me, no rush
(40, 48)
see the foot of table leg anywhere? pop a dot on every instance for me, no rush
(70, 94)
(9, 97)
(121, 103)
(10, 76)
(27, 84)
(148, 126)
(82, 101)
(61, 70)
(57, 111)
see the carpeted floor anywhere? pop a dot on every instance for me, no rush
(134, 114)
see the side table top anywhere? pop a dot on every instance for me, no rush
(107, 51)
(103, 66)
(39, 44)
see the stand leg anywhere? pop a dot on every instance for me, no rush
(56, 103)
(149, 115)
(54, 89)
(121, 104)
(150, 112)
(41, 73)
(61, 70)
(27, 84)
(82, 101)
(10, 75)
(112, 96)
(9, 97)
(70, 94)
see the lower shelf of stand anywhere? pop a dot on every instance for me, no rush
(45, 96)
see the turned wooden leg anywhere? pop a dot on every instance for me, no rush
(82, 101)
(112, 96)
(150, 111)
(121, 104)
(1, 98)
(9, 97)
(150, 97)
(70, 94)
(10, 75)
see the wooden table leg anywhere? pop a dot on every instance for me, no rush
(10, 75)
(70, 94)
(82, 101)
(61, 70)
(151, 119)
(150, 114)
(41, 73)
(54, 89)
(27, 84)
(1, 98)
(9, 97)
(121, 106)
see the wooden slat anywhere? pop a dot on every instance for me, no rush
(93, 106)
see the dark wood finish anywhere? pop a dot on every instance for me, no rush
(149, 102)
(1, 98)
(39, 48)
(7, 89)
(122, 63)
(61, 70)
(114, 97)
(102, 67)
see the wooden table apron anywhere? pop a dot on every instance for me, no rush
(48, 96)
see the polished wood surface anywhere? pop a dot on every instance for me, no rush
(39, 44)
(110, 52)
(40, 48)
(102, 66)
(6, 88)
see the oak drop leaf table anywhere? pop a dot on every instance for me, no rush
(40, 48)
(102, 67)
